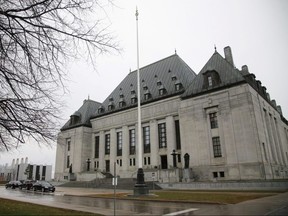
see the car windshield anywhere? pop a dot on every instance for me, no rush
(46, 184)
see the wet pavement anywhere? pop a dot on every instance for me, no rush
(78, 199)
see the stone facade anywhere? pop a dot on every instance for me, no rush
(222, 120)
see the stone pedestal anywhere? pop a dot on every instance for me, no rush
(140, 187)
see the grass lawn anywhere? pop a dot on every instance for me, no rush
(11, 207)
(221, 197)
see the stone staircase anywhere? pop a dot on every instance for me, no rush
(106, 183)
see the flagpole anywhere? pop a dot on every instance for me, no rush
(140, 187)
(140, 153)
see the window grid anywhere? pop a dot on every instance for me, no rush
(213, 120)
(146, 139)
(107, 144)
(216, 147)
(162, 135)
(132, 141)
(119, 143)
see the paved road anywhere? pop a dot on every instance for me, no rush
(76, 199)
(98, 205)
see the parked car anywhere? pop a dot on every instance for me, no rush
(43, 186)
(13, 184)
(28, 184)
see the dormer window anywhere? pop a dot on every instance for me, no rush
(211, 79)
(162, 90)
(133, 99)
(145, 87)
(122, 103)
(159, 83)
(121, 95)
(100, 109)
(133, 91)
(147, 95)
(111, 106)
(75, 118)
(178, 85)
(111, 99)
(174, 78)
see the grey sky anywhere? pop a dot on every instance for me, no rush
(256, 30)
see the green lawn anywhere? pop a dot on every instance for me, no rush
(221, 197)
(11, 207)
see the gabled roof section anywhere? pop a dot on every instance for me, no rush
(220, 70)
(82, 116)
(161, 76)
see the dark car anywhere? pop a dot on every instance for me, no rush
(28, 184)
(13, 184)
(43, 186)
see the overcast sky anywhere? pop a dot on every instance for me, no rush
(256, 31)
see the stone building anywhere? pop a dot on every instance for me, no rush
(22, 170)
(217, 124)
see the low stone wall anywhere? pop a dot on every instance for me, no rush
(249, 185)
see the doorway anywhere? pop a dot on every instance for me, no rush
(164, 164)
(107, 165)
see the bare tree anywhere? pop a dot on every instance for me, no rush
(37, 37)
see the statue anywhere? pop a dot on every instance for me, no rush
(186, 160)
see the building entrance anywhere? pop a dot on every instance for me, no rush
(107, 166)
(164, 164)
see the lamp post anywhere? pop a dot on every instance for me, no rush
(88, 161)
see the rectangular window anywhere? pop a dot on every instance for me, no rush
(215, 174)
(107, 144)
(146, 139)
(96, 151)
(145, 161)
(68, 162)
(149, 161)
(216, 147)
(213, 120)
(222, 174)
(210, 81)
(178, 138)
(68, 145)
(132, 141)
(162, 135)
(119, 143)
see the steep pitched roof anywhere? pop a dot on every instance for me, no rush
(82, 116)
(161, 74)
(228, 75)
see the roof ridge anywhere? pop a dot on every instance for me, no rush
(156, 62)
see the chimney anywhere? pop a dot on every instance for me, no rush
(274, 103)
(22, 160)
(245, 69)
(268, 96)
(26, 160)
(279, 109)
(228, 55)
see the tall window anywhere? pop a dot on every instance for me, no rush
(178, 138)
(132, 141)
(216, 147)
(68, 145)
(213, 120)
(68, 162)
(146, 139)
(96, 151)
(210, 81)
(107, 144)
(162, 135)
(119, 143)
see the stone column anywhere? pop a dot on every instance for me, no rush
(154, 143)
(171, 139)
(113, 148)
(101, 150)
(125, 149)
